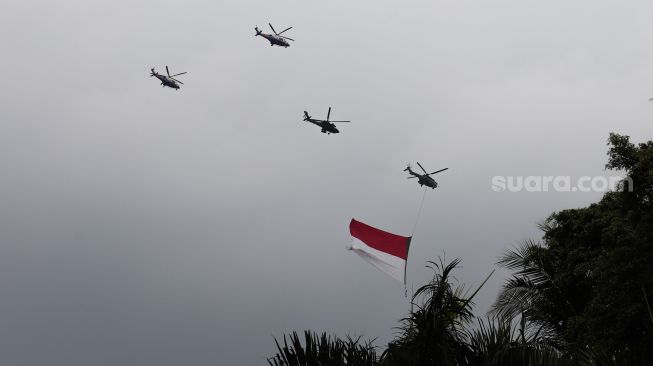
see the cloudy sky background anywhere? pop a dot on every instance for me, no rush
(148, 226)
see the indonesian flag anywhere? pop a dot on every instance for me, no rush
(385, 251)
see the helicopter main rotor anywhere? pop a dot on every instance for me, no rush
(279, 34)
(429, 174)
(173, 76)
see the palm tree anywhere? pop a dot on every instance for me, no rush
(323, 350)
(437, 331)
(531, 294)
(434, 331)
(498, 341)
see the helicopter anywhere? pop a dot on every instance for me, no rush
(275, 38)
(169, 80)
(424, 179)
(328, 127)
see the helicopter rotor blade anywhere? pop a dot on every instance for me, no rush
(181, 73)
(287, 29)
(420, 165)
(339, 121)
(441, 170)
(329, 114)
(290, 39)
(167, 71)
(411, 177)
(271, 27)
(177, 81)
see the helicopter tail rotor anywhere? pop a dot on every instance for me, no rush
(258, 31)
(306, 116)
(407, 168)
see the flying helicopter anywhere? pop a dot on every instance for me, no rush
(327, 126)
(424, 179)
(168, 80)
(275, 38)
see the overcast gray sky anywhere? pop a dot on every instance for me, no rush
(147, 226)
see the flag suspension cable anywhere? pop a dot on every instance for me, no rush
(419, 212)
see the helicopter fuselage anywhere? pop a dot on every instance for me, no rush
(275, 40)
(327, 127)
(166, 81)
(423, 179)
(427, 181)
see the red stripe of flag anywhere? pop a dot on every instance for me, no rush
(384, 241)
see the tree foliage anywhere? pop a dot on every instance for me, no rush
(585, 282)
(433, 333)
(323, 350)
(439, 330)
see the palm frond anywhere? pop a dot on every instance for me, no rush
(323, 350)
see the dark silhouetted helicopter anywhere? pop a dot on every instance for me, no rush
(275, 38)
(169, 80)
(424, 179)
(327, 126)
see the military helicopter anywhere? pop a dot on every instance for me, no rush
(328, 127)
(424, 179)
(169, 80)
(275, 38)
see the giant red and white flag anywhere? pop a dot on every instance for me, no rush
(385, 251)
